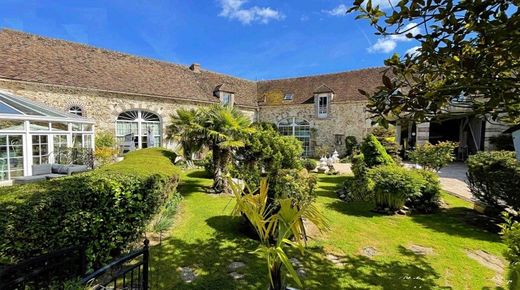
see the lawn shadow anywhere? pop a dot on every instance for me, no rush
(169, 154)
(410, 272)
(324, 187)
(354, 208)
(196, 182)
(458, 221)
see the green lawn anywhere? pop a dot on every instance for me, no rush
(205, 237)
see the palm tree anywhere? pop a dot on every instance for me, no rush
(278, 227)
(221, 128)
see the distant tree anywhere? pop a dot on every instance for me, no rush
(469, 55)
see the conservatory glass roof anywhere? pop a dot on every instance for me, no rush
(19, 108)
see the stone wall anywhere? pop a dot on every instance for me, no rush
(344, 119)
(101, 106)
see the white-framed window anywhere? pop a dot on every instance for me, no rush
(226, 99)
(323, 105)
(142, 125)
(11, 156)
(288, 97)
(299, 128)
(76, 110)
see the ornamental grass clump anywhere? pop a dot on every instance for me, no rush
(393, 186)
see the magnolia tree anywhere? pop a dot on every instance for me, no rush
(468, 55)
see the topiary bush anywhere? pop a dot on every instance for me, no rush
(351, 144)
(374, 153)
(298, 185)
(358, 187)
(434, 157)
(393, 186)
(309, 164)
(429, 199)
(104, 210)
(386, 136)
(494, 179)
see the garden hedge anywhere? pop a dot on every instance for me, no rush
(105, 210)
(494, 179)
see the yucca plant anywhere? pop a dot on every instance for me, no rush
(278, 225)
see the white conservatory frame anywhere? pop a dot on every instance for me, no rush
(26, 118)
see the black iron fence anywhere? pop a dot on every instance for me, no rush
(42, 271)
(128, 272)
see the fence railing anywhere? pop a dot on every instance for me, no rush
(40, 272)
(128, 272)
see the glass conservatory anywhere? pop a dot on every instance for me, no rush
(33, 133)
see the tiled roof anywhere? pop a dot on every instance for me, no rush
(28, 57)
(345, 86)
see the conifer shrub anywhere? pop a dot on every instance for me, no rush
(374, 153)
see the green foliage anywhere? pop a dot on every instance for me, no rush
(295, 184)
(266, 151)
(386, 136)
(165, 218)
(351, 144)
(429, 199)
(511, 236)
(393, 185)
(434, 157)
(466, 49)
(104, 155)
(358, 188)
(322, 151)
(278, 228)
(309, 164)
(105, 209)
(105, 139)
(374, 153)
(494, 178)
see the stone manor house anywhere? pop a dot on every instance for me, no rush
(126, 94)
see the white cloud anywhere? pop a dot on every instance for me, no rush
(341, 9)
(413, 51)
(233, 9)
(388, 44)
(384, 45)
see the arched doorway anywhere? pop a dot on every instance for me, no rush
(140, 124)
(299, 128)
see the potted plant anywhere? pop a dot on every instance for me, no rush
(279, 226)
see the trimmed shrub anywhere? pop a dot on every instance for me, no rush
(309, 164)
(511, 236)
(104, 155)
(386, 136)
(295, 184)
(104, 210)
(374, 153)
(266, 152)
(393, 185)
(494, 179)
(358, 187)
(429, 199)
(351, 144)
(434, 157)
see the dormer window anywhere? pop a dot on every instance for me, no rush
(323, 105)
(226, 99)
(288, 97)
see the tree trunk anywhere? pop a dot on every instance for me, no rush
(217, 169)
(278, 282)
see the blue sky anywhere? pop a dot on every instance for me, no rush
(254, 39)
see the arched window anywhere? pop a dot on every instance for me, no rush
(141, 126)
(299, 128)
(76, 110)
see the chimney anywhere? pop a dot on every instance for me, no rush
(195, 68)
